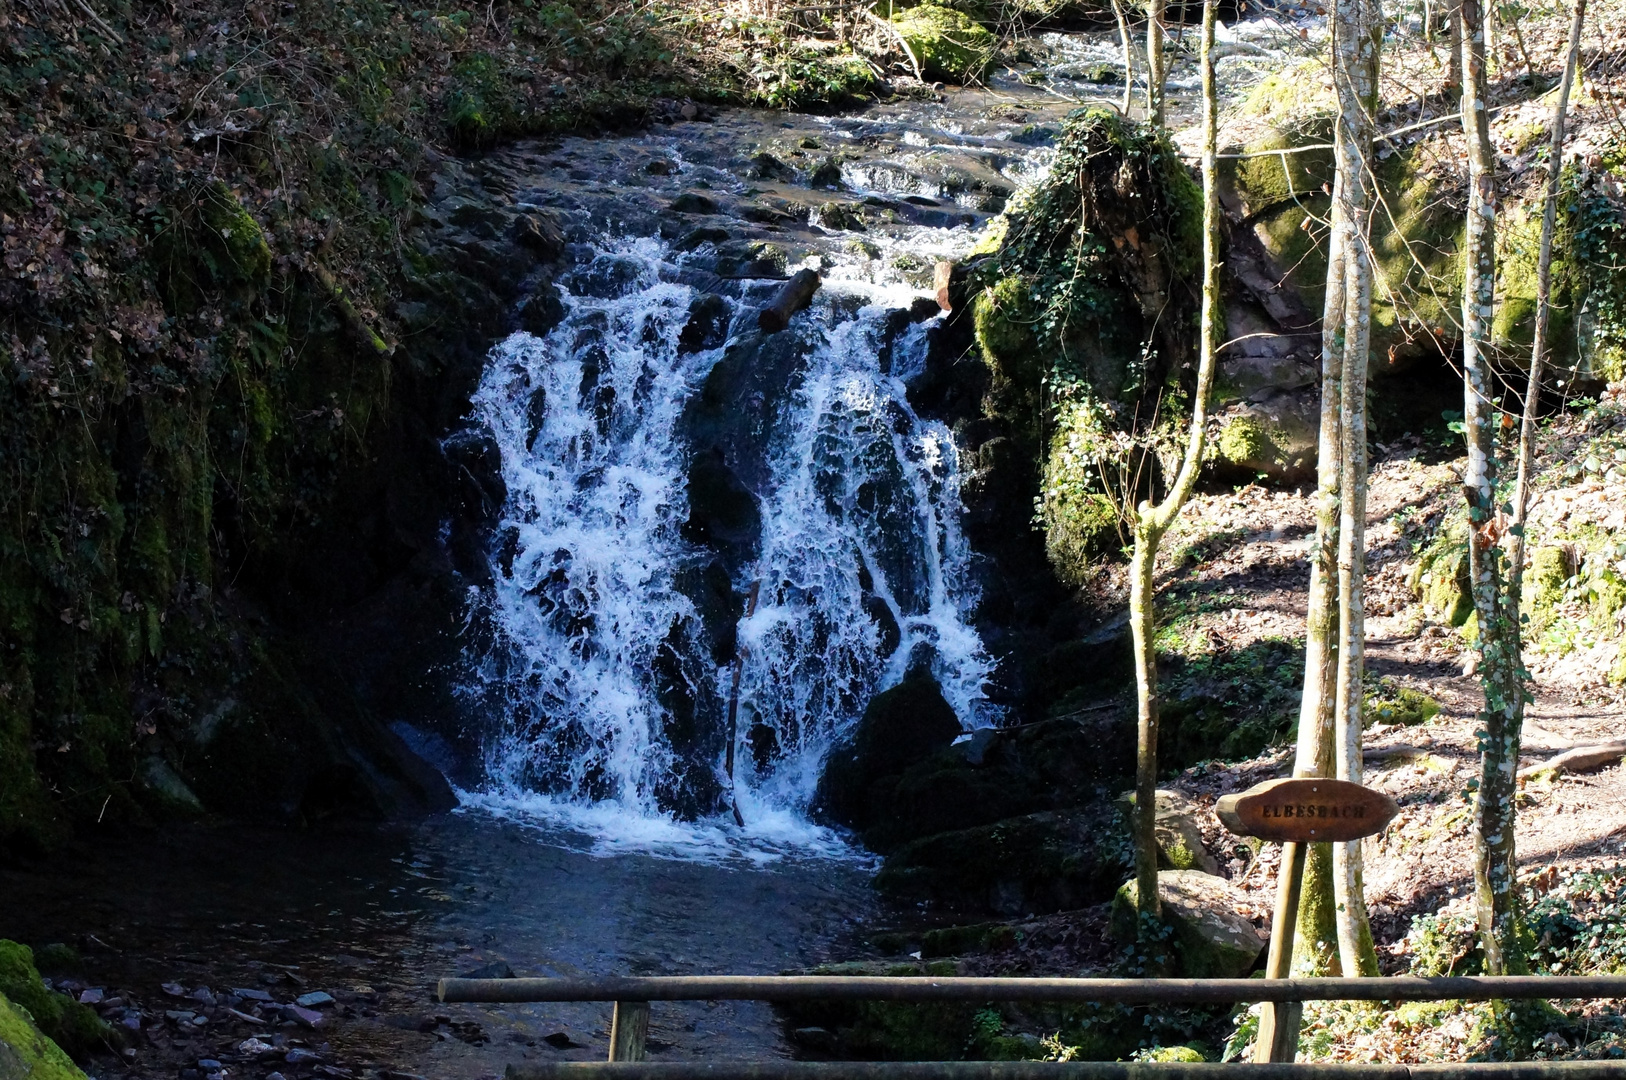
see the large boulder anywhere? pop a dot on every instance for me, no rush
(901, 727)
(1025, 865)
(1212, 939)
(25, 1053)
(948, 44)
(1180, 843)
(70, 1024)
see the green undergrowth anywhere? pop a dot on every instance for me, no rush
(74, 1027)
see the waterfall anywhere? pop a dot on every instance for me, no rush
(605, 699)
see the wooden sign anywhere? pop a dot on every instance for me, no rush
(1307, 810)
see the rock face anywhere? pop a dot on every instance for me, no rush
(900, 728)
(26, 1054)
(1212, 940)
(1036, 863)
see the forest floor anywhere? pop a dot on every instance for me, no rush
(1234, 577)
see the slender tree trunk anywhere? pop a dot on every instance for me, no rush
(1544, 284)
(1453, 70)
(1355, 44)
(1128, 41)
(1500, 668)
(1316, 950)
(1153, 522)
(1142, 623)
(1157, 73)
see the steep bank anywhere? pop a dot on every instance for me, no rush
(233, 341)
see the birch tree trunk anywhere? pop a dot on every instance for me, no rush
(1153, 522)
(1128, 43)
(1316, 937)
(1544, 283)
(1501, 671)
(1157, 73)
(1355, 35)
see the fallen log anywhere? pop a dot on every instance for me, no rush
(1578, 759)
(792, 297)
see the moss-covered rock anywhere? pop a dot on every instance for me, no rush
(1211, 939)
(1440, 576)
(1039, 862)
(26, 1053)
(71, 1025)
(948, 43)
(883, 1030)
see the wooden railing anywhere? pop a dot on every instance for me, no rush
(630, 1025)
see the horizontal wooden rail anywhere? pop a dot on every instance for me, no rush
(1129, 991)
(1058, 1070)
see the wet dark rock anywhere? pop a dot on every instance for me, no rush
(692, 202)
(842, 216)
(706, 234)
(560, 1040)
(723, 511)
(307, 1017)
(900, 728)
(541, 311)
(660, 167)
(1036, 863)
(707, 328)
(540, 231)
(827, 176)
(766, 166)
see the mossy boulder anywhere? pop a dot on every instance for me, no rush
(26, 1053)
(69, 1024)
(1211, 939)
(1035, 863)
(1277, 439)
(948, 43)
(882, 1030)
(1440, 576)
(1179, 837)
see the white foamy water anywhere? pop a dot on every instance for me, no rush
(606, 708)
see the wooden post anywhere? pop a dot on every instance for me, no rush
(629, 1027)
(1279, 1021)
(1298, 811)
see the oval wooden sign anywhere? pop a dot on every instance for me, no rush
(1306, 810)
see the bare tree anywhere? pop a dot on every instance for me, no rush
(1356, 33)
(1157, 64)
(1127, 40)
(1151, 523)
(1501, 670)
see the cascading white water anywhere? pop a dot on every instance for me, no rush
(587, 623)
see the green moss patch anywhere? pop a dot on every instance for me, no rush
(26, 1053)
(948, 44)
(69, 1024)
